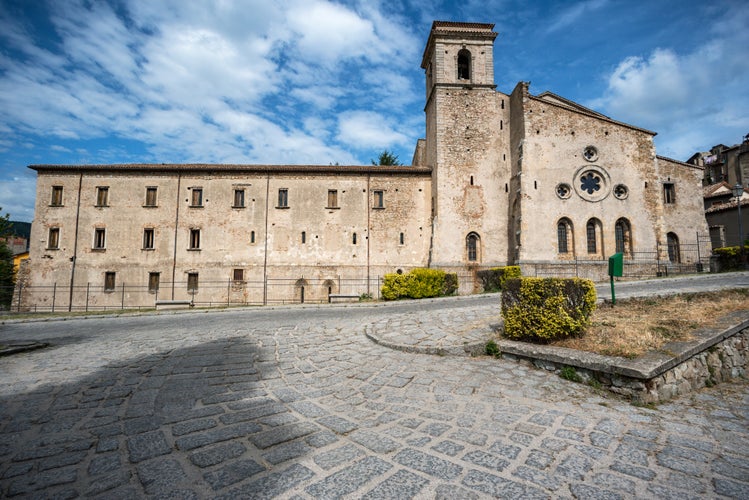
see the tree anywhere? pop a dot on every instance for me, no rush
(7, 279)
(387, 158)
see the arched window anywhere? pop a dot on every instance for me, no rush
(674, 253)
(472, 247)
(299, 287)
(565, 241)
(623, 234)
(593, 233)
(464, 65)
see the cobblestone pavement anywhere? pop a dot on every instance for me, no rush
(299, 403)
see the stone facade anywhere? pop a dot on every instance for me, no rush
(499, 179)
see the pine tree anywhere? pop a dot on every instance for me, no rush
(387, 158)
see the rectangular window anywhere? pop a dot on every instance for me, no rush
(100, 238)
(109, 278)
(148, 238)
(102, 196)
(151, 196)
(238, 198)
(197, 197)
(591, 233)
(283, 198)
(53, 241)
(304, 237)
(238, 275)
(379, 199)
(402, 238)
(56, 200)
(669, 193)
(153, 282)
(332, 198)
(194, 239)
(252, 236)
(192, 281)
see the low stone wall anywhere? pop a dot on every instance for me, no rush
(678, 368)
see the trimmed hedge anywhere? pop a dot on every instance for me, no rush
(544, 309)
(493, 280)
(729, 258)
(418, 284)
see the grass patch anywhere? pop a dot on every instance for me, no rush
(635, 326)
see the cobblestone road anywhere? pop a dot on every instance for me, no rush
(298, 403)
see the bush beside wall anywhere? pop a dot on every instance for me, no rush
(418, 284)
(544, 309)
(492, 280)
(729, 258)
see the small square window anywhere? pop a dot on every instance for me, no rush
(197, 197)
(56, 200)
(100, 238)
(238, 198)
(238, 275)
(192, 281)
(283, 198)
(53, 241)
(151, 196)
(379, 199)
(153, 282)
(148, 237)
(194, 239)
(109, 281)
(332, 198)
(669, 193)
(102, 196)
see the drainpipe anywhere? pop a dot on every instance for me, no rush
(176, 226)
(369, 229)
(75, 243)
(265, 248)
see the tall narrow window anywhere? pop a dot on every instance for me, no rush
(464, 65)
(151, 196)
(148, 234)
(669, 193)
(109, 278)
(192, 282)
(102, 196)
(238, 275)
(153, 282)
(56, 200)
(332, 198)
(252, 236)
(623, 235)
(100, 238)
(472, 247)
(194, 239)
(53, 241)
(564, 236)
(304, 237)
(283, 198)
(402, 239)
(674, 252)
(238, 198)
(379, 199)
(354, 239)
(197, 197)
(591, 230)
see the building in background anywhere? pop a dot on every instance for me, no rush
(500, 178)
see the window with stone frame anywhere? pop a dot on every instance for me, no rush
(283, 198)
(669, 193)
(196, 199)
(464, 64)
(53, 240)
(148, 238)
(100, 238)
(623, 237)
(238, 275)
(194, 239)
(379, 199)
(592, 230)
(56, 200)
(192, 282)
(238, 198)
(102, 196)
(564, 236)
(151, 196)
(109, 281)
(472, 247)
(153, 282)
(332, 198)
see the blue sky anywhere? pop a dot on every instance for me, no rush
(320, 82)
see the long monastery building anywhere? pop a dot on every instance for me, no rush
(499, 179)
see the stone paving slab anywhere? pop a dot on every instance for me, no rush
(300, 404)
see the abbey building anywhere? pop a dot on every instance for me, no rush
(500, 178)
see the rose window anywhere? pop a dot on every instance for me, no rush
(590, 153)
(590, 183)
(564, 191)
(621, 191)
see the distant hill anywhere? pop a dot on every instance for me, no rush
(22, 229)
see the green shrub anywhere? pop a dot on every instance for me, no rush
(492, 280)
(492, 349)
(544, 309)
(569, 373)
(418, 284)
(729, 258)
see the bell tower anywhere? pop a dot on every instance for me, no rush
(467, 132)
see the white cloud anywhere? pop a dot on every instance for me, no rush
(17, 197)
(572, 14)
(366, 129)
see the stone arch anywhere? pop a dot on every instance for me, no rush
(464, 64)
(565, 236)
(674, 250)
(299, 290)
(329, 286)
(473, 247)
(594, 237)
(623, 237)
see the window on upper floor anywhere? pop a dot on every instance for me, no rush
(379, 199)
(102, 196)
(332, 198)
(56, 200)
(148, 237)
(283, 198)
(53, 241)
(194, 239)
(151, 196)
(196, 199)
(100, 238)
(238, 198)
(669, 193)
(464, 64)
(238, 275)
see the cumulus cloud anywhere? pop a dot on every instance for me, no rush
(368, 130)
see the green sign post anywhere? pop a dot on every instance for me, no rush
(616, 268)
